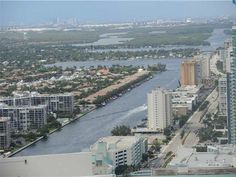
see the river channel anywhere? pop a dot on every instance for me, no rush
(129, 109)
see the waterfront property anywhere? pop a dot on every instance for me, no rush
(24, 117)
(222, 85)
(119, 150)
(232, 93)
(5, 132)
(159, 109)
(195, 71)
(188, 73)
(57, 103)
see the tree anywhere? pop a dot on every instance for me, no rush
(121, 130)
(167, 131)
(120, 169)
(144, 157)
(30, 136)
(156, 145)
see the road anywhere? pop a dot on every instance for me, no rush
(191, 128)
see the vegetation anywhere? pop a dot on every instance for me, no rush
(201, 148)
(167, 131)
(124, 170)
(219, 66)
(101, 99)
(156, 145)
(182, 120)
(121, 130)
(51, 36)
(145, 157)
(158, 67)
(52, 124)
(208, 132)
(30, 136)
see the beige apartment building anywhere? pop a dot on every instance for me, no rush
(188, 73)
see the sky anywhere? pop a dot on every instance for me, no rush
(37, 12)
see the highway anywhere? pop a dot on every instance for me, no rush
(191, 129)
(192, 126)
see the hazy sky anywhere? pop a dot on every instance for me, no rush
(35, 12)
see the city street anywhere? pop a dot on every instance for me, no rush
(191, 128)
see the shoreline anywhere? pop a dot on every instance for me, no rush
(41, 137)
(69, 122)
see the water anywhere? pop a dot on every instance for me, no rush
(129, 109)
(86, 131)
(107, 39)
(136, 62)
(217, 38)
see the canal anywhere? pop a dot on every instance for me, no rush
(131, 108)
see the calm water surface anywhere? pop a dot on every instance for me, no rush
(132, 107)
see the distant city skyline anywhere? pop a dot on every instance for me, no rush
(39, 12)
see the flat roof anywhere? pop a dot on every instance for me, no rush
(206, 159)
(120, 142)
(5, 106)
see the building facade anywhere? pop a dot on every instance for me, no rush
(231, 92)
(159, 109)
(5, 132)
(57, 103)
(222, 85)
(25, 118)
(226, 55)
(119, 150)
(188, 73)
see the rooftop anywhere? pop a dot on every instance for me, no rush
(3, 105)
(210, 160)
(117, 142)
(33, 94)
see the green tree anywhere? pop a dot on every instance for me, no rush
(121, 130)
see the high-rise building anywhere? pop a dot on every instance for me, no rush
(226, 55)
(159, 109)
(205, 67)
(222, 85)
(23, 117)
(231, 93)
(188, 73)
(5, 129)
(57, 103)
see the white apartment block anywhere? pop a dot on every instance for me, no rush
(226, 55)
(5, 129)
(119, 150)
(58, 103)
(24, 117)
(203, 67)
(159, 109)
(222, 95)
